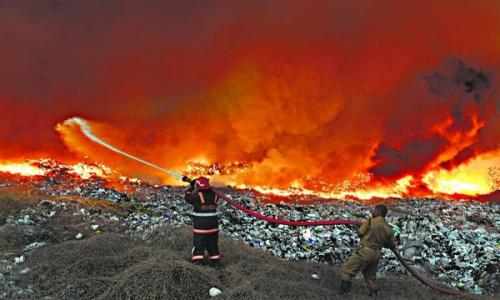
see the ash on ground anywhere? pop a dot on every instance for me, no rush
(456, 243)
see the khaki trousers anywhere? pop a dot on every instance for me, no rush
(362, 260)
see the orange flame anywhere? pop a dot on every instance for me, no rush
(471, 178)
(24, 169)
(42, 167)
(337, 99)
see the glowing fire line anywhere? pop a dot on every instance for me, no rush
(24, 169)
(397, 189)
(461, 180)
(45, 166)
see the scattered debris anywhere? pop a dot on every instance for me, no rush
(33, 245)
(214, 292)
(455, 242)
(19, 259)
(25, 220)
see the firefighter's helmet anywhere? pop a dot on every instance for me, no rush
(202, 183)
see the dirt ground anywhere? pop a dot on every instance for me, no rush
(111, 265)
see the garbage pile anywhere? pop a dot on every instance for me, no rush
(454, 242)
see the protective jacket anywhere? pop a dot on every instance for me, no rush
(205, 223)
(375, 233)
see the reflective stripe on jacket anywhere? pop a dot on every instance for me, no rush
(204, 210)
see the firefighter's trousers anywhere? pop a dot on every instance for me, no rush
(362, 260)
(205, 237)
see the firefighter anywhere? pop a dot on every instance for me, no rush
(375, 233)
(205, 221)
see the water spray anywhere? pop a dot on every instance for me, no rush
(87, 131)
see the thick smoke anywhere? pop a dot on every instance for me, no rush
(317, 91)
(457, 104)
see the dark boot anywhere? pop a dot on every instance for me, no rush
(373, 293)
(215, 264)
(345, 287)
(198, 262)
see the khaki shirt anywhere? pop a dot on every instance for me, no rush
(376, 233)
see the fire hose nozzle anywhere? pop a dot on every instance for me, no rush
(186, 179)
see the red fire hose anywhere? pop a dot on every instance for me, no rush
(426, 281)
(286, 222)
(410, 269)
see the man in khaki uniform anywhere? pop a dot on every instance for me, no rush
(375, 233)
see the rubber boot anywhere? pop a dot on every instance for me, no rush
(198, 262)
(345, 287)
(215, 264)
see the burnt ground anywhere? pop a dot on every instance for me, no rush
(108, 264)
